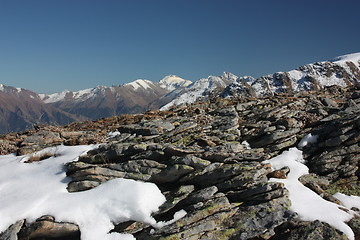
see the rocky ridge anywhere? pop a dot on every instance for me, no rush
(342, 71)
(207, 159)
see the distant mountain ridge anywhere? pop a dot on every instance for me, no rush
(342, 71)
(21, 109)
(98, 102)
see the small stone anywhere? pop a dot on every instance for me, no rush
(49, 229)
(11, 233)
(81, 186)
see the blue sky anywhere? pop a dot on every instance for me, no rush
(51, 45)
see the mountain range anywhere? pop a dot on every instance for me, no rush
(342, 71)
(22, 109)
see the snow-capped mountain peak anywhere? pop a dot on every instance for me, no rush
(229, 76)
(202, 87)
(173, 82)
(55, 97)
(9, 89)
(140, 84)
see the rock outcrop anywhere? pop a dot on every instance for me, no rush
(207, 159)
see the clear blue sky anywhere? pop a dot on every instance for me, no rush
(51, 45)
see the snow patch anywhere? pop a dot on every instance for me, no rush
(307, 140)
(113, 134)
(55, 97)
(81, 95)
(178, 215)
(348, 201)
(247, 144)
(354, 57)
(30, 190)
(88, 93)
(332, 80)
(173, 82)
(307, 204)
(298, 80)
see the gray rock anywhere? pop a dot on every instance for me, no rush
(184, 126)
(273, 137)
(284, 143)
(41, 138)
(142, 166)
(122, 137)
(225, 119)
(82, 185)
(12, 232)
(96, 170)
(193, 219)
(190, 160)
(72, 134)
(244, 106)
(140, 130)
(254, 154)
(258, 220)
(312, 230)
(113, 152)
(38, 141)
(355, 226)
(200, 195)
(176, 151)
(171, 173)
(245, 179)
(216, 173)
(330, 103)
(50, 229)
(260, 192)
(174, 197)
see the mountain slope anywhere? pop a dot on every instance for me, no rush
(342, 71)
(133, 97)
(21, 109)
(102, 101)
(173, 82)
(201, 88)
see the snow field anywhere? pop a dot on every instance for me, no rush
(30, 190)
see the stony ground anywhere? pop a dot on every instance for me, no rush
(199, 157)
